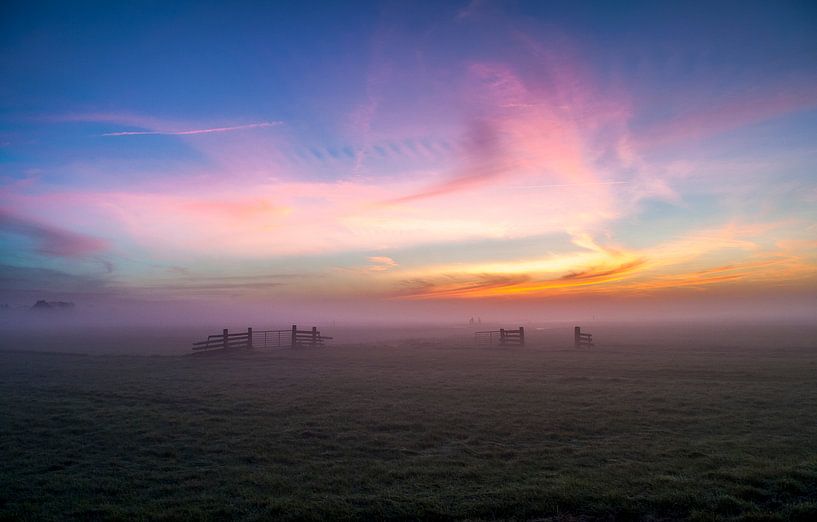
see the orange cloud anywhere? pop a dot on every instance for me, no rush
(480, 286)
(686, 262)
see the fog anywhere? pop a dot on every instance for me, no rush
(791, 305)
(169, 328)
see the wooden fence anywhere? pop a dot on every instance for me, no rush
(307, 337)
(263, 339)
(582, 340)
(225, 341)
(501, 337)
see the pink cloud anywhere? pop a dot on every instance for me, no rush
(542, 130)
(484, 165)
(526, 168)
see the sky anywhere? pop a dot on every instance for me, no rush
(411, 159)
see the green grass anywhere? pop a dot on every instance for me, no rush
(412, 432)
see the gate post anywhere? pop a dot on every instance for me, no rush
(294, 335)
(521, 336)
(314, 336)
(577, 336)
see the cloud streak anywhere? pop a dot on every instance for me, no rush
(50, 240)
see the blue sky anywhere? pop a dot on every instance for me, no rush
(385, 152)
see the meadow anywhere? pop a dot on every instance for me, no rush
(414, 430)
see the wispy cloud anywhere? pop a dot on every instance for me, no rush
(190, 132)
(691, 261)
(739, 110)
(456, 287)
(484, 163)
(48, 282)
(554, 185)
(381, 263)
(50, 240)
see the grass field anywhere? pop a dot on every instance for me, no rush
(412, 430)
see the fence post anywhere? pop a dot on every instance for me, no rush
(314, 336)
(577, 336)
(224, 339)
(521, 336)
(502, 337)
(294, 335)
(249, 337)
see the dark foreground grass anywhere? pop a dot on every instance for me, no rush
(412, 432)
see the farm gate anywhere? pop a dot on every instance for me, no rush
(263, 339)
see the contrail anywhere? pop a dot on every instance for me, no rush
(194, 131)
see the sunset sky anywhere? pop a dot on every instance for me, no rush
(402, 154)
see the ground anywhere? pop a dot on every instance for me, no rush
(412, 430)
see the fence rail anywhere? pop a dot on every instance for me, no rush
(263, 339)
(501, 337)
(307, 337)
(582, 340)
(226, 340)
